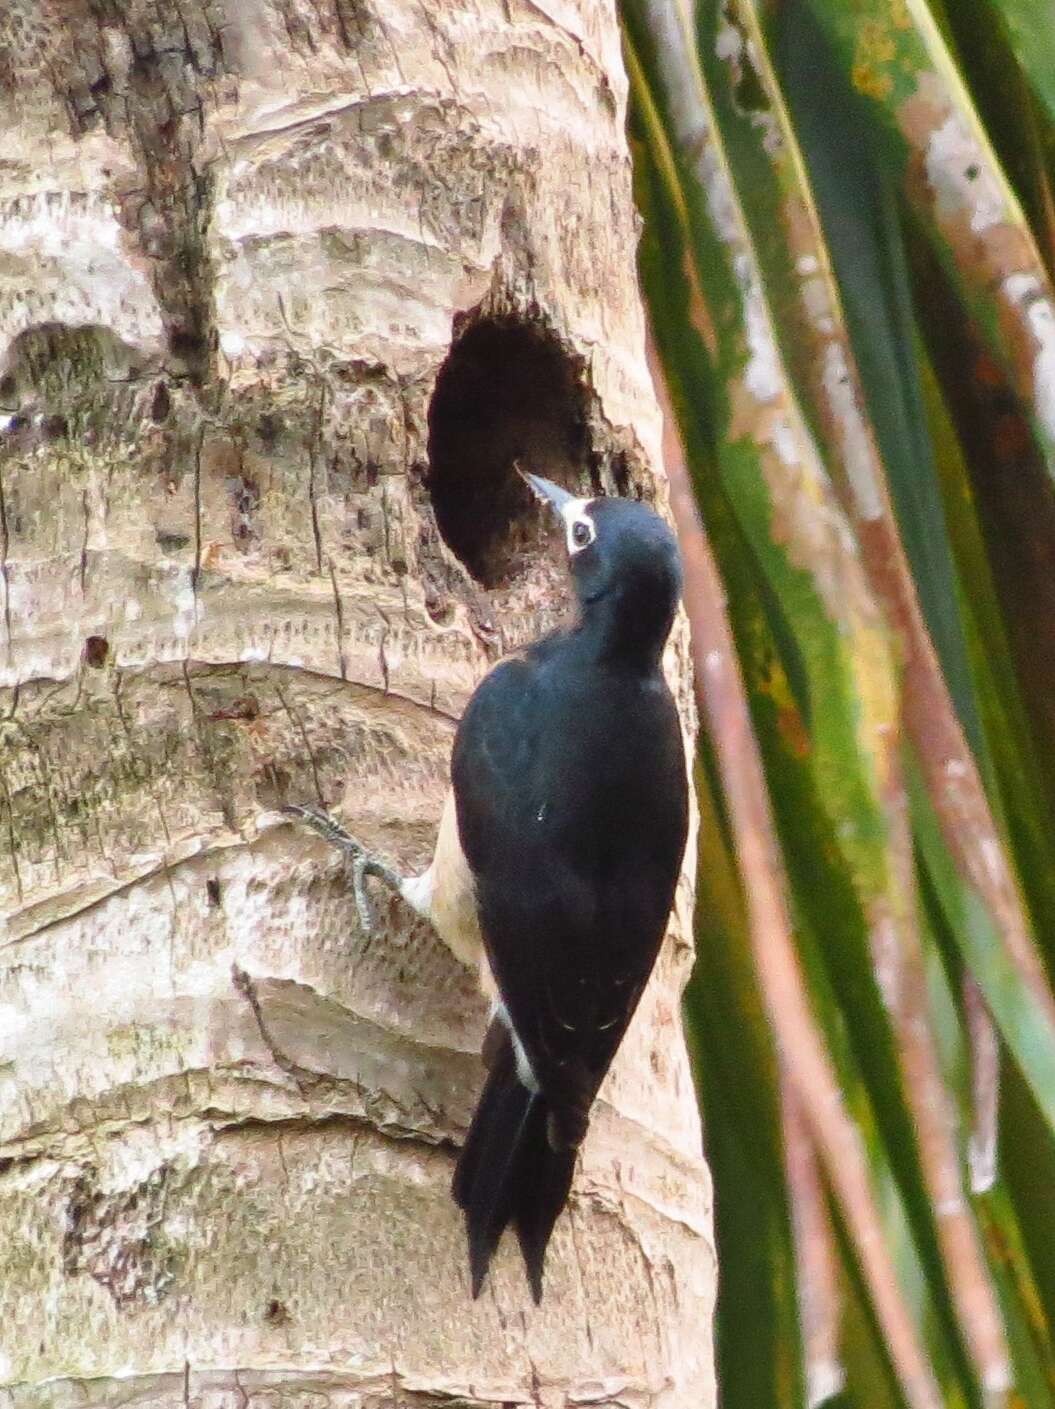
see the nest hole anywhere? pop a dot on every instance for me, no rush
(508, 392)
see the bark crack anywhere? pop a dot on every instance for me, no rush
(5, 544)
(44, 773)
(86, 508)
(582, 1279)
(58, 1142)
(246, 987)
(130, 740)
(442, 45)
(313, 454)
(243, 1397)
(196, 570)
(12, 843)
(298, 724)
(339, 609)
(382, 658)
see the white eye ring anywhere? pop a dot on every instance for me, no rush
(580, 527)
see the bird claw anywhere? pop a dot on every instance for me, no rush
(359, 861)
(326, 826)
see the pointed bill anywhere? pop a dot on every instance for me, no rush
(545, 490)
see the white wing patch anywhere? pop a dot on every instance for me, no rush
(525, 1074)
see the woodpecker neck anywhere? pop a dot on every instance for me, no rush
(629, 626)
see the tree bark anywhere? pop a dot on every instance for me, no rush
(285, 285)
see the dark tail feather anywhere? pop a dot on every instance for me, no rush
(546, 1178)
(507, 1173)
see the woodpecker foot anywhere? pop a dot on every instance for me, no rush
(360, 862)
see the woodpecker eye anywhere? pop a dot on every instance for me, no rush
(579, 527)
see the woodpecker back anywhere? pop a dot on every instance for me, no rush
(572, 804)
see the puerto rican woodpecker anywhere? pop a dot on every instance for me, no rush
(555, 864)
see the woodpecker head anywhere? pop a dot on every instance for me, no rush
(624, 560)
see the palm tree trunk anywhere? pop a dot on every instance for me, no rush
(285, 286)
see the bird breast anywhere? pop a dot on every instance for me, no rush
(446, 895)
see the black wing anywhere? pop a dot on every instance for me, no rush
(572, 807)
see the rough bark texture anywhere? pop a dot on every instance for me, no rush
(284, 285)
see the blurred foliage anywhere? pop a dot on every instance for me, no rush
(849, 232)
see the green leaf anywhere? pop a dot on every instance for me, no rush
(1023, 1023)
(758, 1348)
(1032, 34)
(843, 212)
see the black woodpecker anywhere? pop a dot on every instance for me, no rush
(555, 865)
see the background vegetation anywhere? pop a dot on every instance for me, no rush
(848, 246)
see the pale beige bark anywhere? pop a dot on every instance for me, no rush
(237, 242)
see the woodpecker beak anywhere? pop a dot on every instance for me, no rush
(545, 491)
